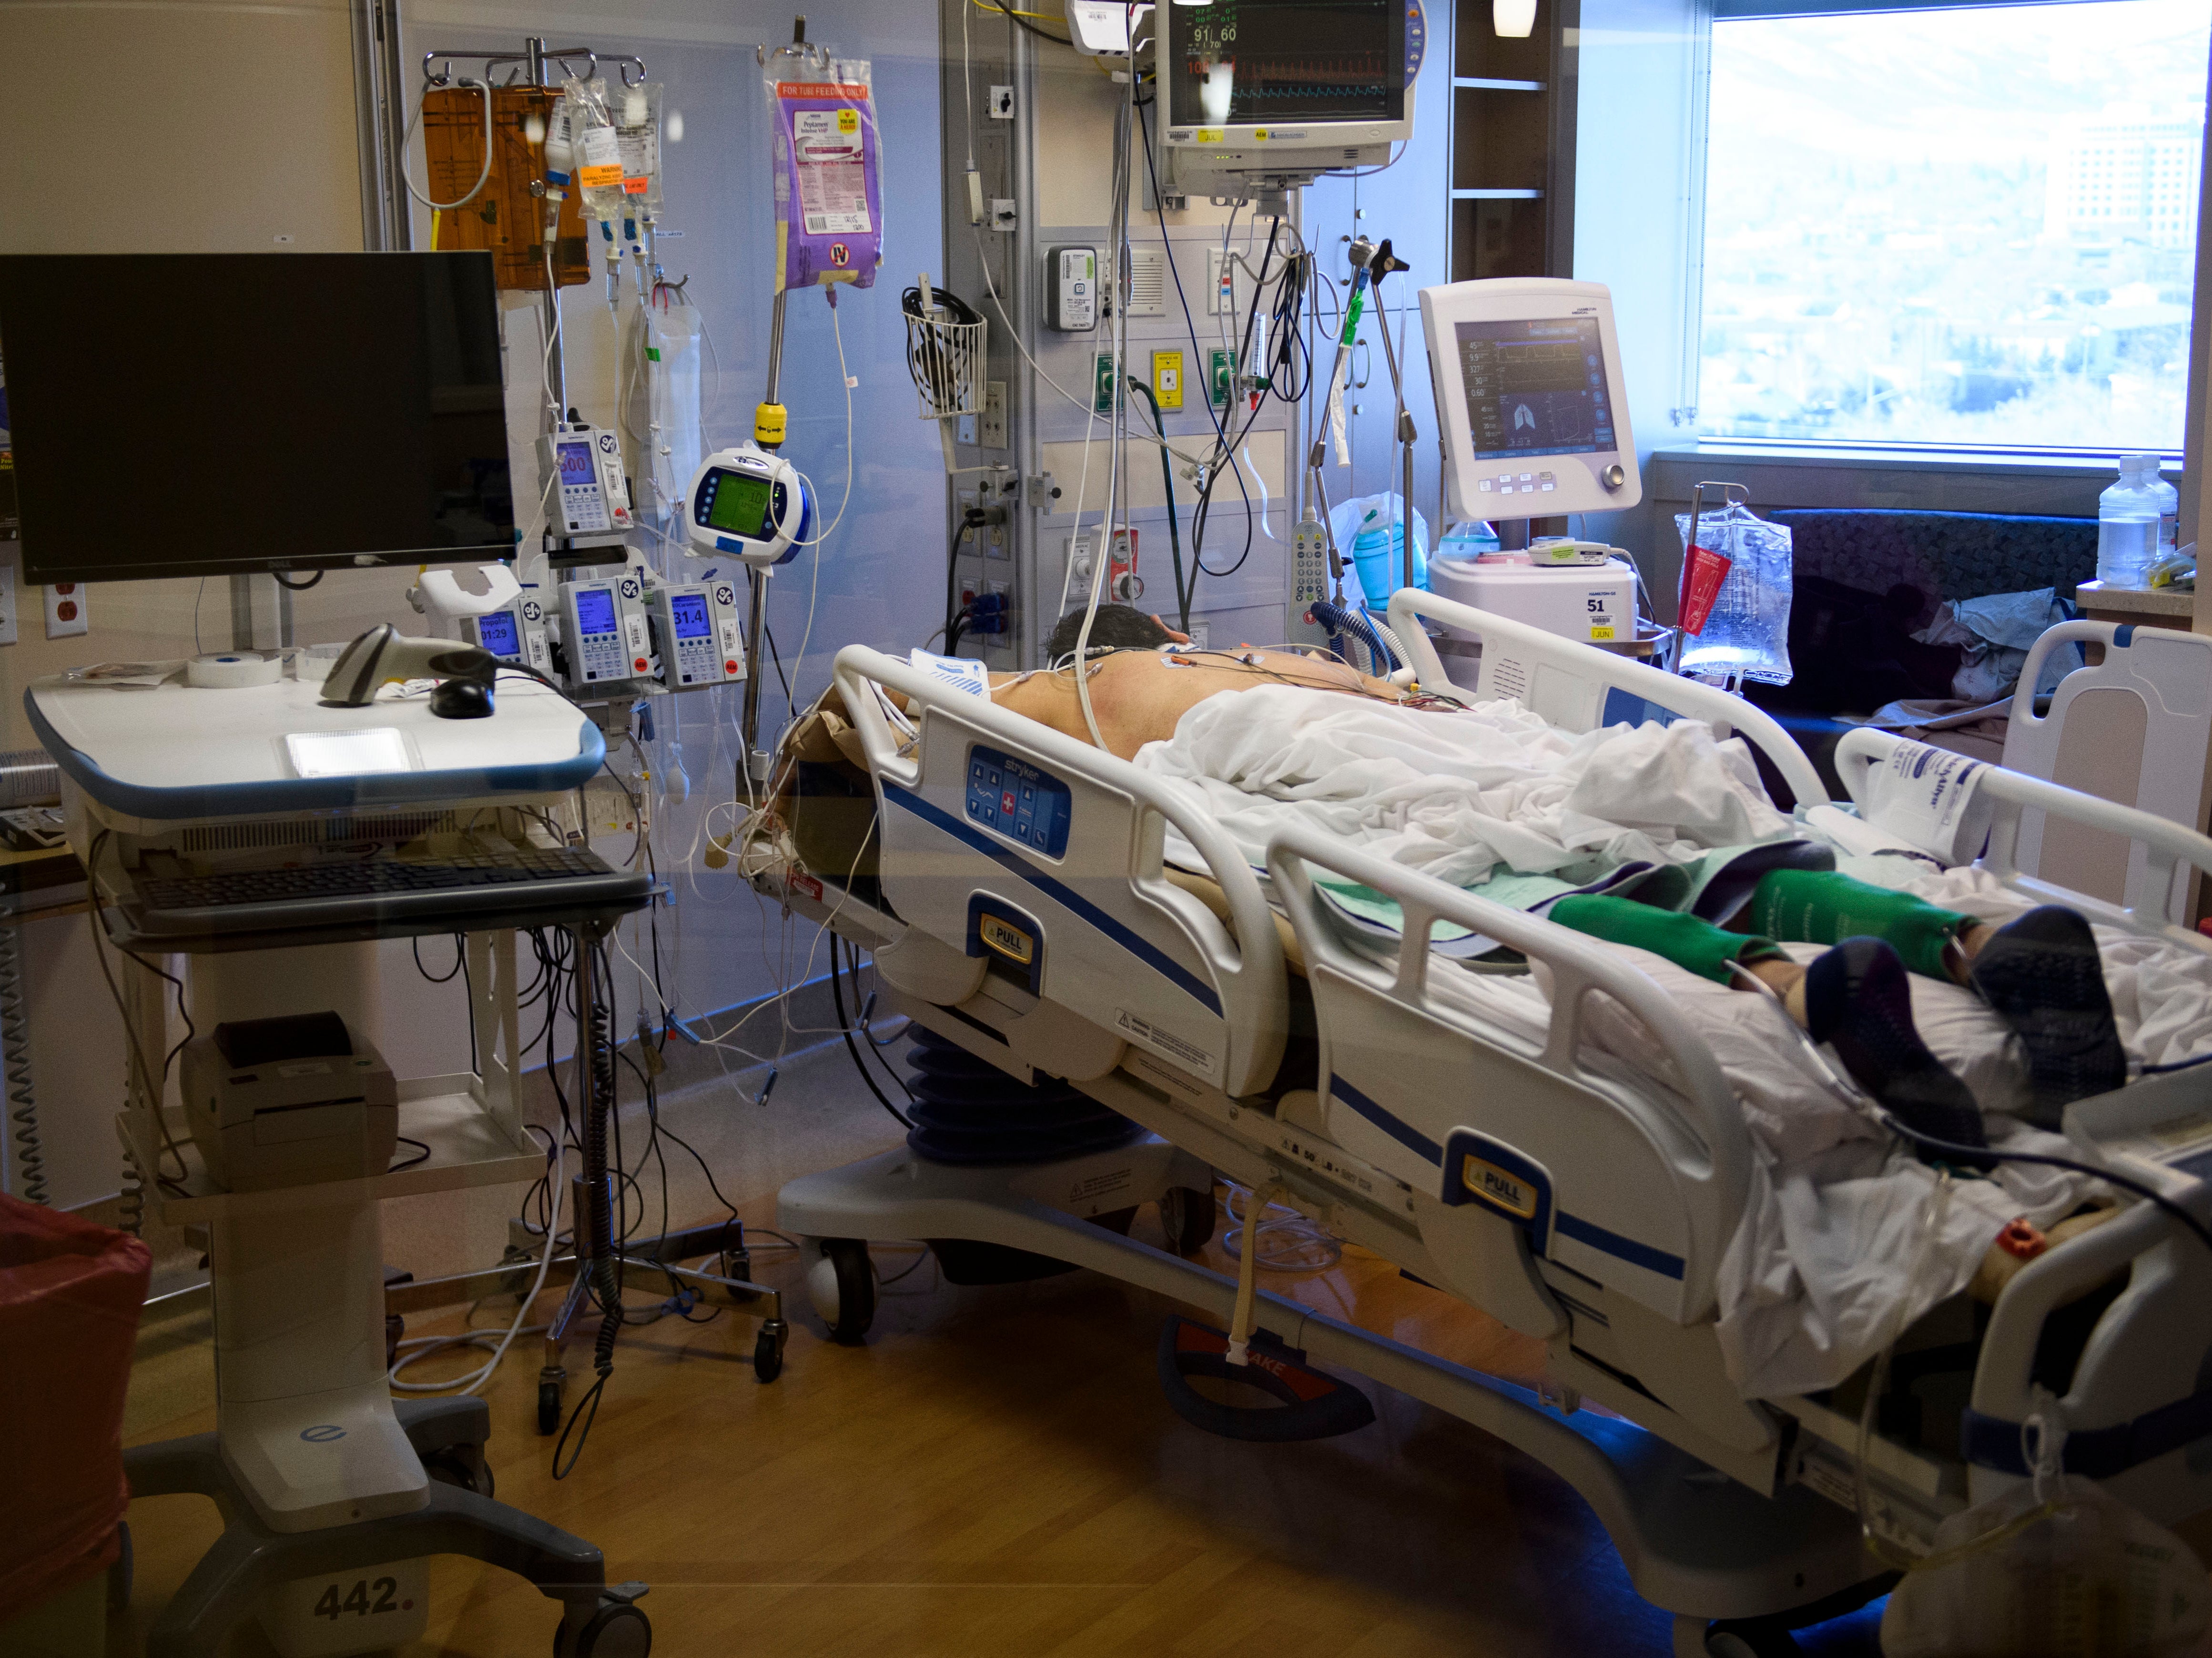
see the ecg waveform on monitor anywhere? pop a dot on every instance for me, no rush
(1262, 76)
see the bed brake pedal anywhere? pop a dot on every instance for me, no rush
(1313, 1406)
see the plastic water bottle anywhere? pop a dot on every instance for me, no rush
(2128, 516)
(2169, 504)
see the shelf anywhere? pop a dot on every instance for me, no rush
(468, 1147)
(1476, 83)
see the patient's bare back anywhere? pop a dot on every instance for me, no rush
(1137, 696)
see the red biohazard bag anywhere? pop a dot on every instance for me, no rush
(70, 1296)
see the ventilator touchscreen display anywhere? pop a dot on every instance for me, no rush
(1534, 387)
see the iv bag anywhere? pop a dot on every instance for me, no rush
(2095, 1577)
(1738, 573)
(829, 196)
(598, 148)
(663, 437)
(637, 129)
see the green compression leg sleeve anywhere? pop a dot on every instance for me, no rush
(1820, 907)
(1685, 940)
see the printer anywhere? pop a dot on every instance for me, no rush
(285, 1102)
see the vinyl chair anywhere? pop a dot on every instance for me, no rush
(2134, 729)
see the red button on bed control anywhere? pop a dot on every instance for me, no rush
(1007, 803)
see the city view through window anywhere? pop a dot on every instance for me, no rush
(1966, 228)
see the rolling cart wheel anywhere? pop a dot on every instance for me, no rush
(548, 1407)
(460, 1465)
(617, 1630)
(767, 1357)
(119, 1574)
(1187, 1215)
(1749, 1637)
(843, 1288)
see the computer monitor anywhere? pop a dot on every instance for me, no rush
(1526, 375)
(1278, 91)
(216, 414)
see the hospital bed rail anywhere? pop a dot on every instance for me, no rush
(1579, 688)
(2169, 849)
(1116, 953)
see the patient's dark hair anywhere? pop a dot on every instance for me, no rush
(1116, 625)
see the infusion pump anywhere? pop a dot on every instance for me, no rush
(603, 635)
(514, 633)
(696, 632)
(594, 493)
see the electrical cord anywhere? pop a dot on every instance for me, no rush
(845, 1029)
(1972, 1155)
(407, 141)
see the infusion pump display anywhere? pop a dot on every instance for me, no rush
(1526, 376)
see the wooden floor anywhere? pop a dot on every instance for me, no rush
(996, 1474)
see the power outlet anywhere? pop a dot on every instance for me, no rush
(1201, 634)
(1001, 103)
(994, 414)
(1005, 212)
(967, 434)
(65, 609)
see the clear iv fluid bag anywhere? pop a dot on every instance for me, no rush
(637, 128)
(598, 148)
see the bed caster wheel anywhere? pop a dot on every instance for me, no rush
(1187, 1215)
(1745, 1637)
(843, 1288)
(616, 1628)
(549, 1406)
(119, 1574)
(460, 1465)
(768, 1351)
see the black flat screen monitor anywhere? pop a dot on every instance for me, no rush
(1294, 62)
(219, 414)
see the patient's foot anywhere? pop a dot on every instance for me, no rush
(2043, 975)
(1858, 1000)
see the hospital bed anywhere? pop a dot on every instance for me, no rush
(1573, 1206)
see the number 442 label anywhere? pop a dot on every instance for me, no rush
(360, 1611)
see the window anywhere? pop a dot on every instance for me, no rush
(1954, 229)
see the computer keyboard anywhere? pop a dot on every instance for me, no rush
(332, 894)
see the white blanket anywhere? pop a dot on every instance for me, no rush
(1820, 1271)
(1455, 794)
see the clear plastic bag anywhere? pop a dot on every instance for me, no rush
(1744, 632)
(2081, 1576)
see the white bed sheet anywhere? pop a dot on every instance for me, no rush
(1833, 1254)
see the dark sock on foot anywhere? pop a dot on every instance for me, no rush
(1858, 1000)
(2043, 977)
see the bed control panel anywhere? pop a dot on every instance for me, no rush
(1029, 807)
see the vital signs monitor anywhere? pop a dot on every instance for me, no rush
(1526, 375)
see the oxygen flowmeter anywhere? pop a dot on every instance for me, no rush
(748, 503)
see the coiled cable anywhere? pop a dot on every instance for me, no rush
(26, 1158)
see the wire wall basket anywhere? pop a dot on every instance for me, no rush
(946, 352)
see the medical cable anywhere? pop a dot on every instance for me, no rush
(1167, 484)
(1301, 1244)
(422, 1347)
(845, 1029)
(1969, 1156)
(1248, 1285)
(409, 139)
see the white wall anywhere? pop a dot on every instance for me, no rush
(200, 125)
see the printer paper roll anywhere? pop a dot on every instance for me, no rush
(233, 670)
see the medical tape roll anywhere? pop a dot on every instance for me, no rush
(233, 671)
